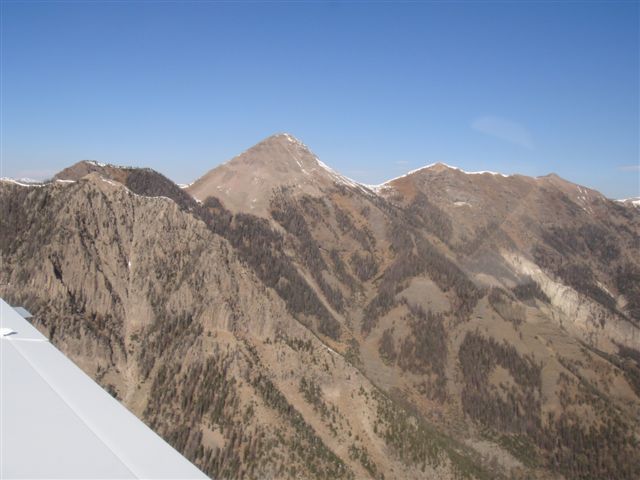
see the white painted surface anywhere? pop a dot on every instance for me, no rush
(58, 423)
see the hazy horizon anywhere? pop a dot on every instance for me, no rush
(52, 173)
(375, 90)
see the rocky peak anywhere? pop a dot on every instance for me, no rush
(83, 168)
(438, 167)
(247, 181)
(80, 169)
(282, 153)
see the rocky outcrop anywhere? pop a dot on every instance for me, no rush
(277, 320)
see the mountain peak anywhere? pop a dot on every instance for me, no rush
(283, 137)
(246, 182)
(80, 169)
(282, 152)
(280, 140)
(439, 167)
(433, 168)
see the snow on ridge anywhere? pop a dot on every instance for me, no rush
(376, 188)
(366, 188)
(23, 182)
(485, 171)
(128, 190)
(411, 172)
(431, 165)
(112, 165)
(342, 179)
(291, 139)
(30, 180)
(96, 163)
(635, 201)
(110, 182)
(27, 182)
(480, 172)
(338, 177)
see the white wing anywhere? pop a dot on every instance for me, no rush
(56, 422)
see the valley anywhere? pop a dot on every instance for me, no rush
(275, 319)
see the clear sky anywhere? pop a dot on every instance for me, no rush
(375, 89)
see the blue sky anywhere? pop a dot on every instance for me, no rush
(375, 89)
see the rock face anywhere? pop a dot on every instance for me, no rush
(573, 234)
(245, 183)
(278, 320)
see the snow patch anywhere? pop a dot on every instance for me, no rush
(111, 165)
(110, 182)
(635, 201)
(293, 139)
(342, 179)
(431, 165)
(97, 164)
(22, 182)
(484, 172)
(331, 350)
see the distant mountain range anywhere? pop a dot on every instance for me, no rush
(635, 201)
(275, 319)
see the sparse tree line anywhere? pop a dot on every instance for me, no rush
(417, 443)
(429, 216)
(602, 448)
(417, 256)
(563, 252)
(529, 290)
(183, 397)
(422, 351)
(256, 243)
(289, 214)
(513, 408)
(507, 309)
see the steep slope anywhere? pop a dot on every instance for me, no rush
(562, 234)
(495, 298)
(634, 202)
(167, 304)
(560, 265)
(246, 182)
(288, 322)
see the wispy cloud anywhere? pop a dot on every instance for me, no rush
(629, 168)
(504, 129)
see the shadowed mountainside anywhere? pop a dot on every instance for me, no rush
(278, 320)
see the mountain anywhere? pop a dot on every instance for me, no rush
(276, 319)
(245, 182)
(544, 227)
(635, 201)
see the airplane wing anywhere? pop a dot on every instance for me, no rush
(56, 422)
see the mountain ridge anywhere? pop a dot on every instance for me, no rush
(83, 167)
(451, 325)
